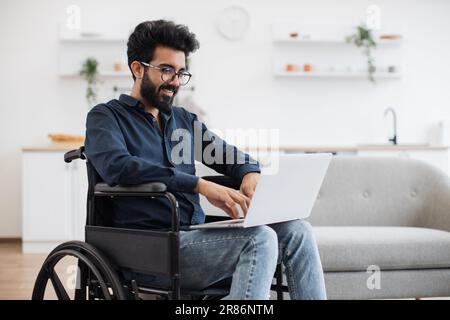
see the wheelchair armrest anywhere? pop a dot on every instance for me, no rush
(75, 154)
(151, 189)
(147, 188)
(224, 181)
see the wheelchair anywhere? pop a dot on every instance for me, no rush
(109, 253)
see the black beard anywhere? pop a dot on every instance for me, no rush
(154, 97)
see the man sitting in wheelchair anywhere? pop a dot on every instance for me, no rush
(143, 137)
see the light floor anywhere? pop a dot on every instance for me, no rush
(18, 271)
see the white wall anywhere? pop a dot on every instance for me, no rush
(233, 79)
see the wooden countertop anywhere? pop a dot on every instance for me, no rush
(288, 149)
(52, 147)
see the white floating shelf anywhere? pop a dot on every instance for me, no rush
(381, 42)
(108, 74)
(384, 75)
(97, 39)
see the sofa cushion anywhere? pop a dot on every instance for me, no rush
(389, 248)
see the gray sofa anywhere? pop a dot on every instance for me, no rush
(382, 226)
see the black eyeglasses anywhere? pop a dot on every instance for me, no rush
(168, 74)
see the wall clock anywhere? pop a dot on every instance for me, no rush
(233, 22)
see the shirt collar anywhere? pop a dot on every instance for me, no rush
(129, 100)
(134, 103)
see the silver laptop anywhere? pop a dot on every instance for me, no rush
(287, 190)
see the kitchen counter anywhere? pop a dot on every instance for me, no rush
(52, 147)
(288, 149)
(364, 147)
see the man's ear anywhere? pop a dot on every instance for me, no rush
(137, 69)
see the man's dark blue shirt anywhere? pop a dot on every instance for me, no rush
(126, 147)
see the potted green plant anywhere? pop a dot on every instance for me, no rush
(363, 38)
(89, 72)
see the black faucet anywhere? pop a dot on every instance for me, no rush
(393, 139)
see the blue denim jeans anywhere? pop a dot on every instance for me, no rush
(248, 256)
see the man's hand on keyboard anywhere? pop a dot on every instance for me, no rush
(223, 197)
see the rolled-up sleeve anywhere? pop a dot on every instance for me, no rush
(106, 150)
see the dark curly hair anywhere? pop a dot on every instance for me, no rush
(150, 34)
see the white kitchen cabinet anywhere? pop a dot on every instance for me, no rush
(53, 200)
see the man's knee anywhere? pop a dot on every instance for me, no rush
(265, 239)
(305, 227)
(300, 229)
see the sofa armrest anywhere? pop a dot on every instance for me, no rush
(438, 209)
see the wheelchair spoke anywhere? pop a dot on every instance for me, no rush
(59, 288)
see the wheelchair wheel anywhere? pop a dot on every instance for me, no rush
(95, 278)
